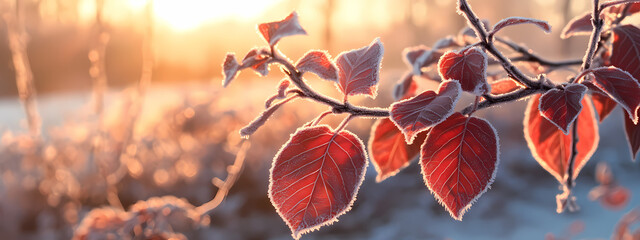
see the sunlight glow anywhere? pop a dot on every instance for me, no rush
(187, 15)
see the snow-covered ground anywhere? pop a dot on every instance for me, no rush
(520, 205)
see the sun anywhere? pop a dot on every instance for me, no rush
(187, 15)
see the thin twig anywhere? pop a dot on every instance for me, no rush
(574, 154)
(597, 23)
(488, 45)
(233, 174)
(308, 92)
(18, 39)
(488, 102)
(529, 56)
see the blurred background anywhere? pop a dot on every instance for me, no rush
(111, 102)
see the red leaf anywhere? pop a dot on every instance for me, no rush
(504, 86)
(615, 198)
(429, 108)
(580, 25)
(603, 104)
(272, 32)
(468, 67)
(258, 60)
(544, 25)
(552, 148)
(318, 62)
(405, 88)
(359, 70)
(419, 57)
(315, 177)
(388, 150)
(229, 69)
(620, 86)
(633, 136)
(561, 106)
(459, 160)
(626, 48)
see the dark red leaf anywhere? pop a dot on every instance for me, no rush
(416, 114)
(633, 136)
(620, 86)
(272, 32)
(359, 70)
(634, 8)
(468, 67)
(459, 160)
(318, 62)
(504, 86)
(258, 60)
(552, 148)
(625, 52)
(580, 25)
(419, 57)
(544, 25)
(229, 69)
(388, 150)
(603, 104)
(405, 88)
(315, 177)
(561, 106)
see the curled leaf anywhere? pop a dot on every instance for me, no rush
(469, 67)
(429, 108)
(562, 106)
(230, 69)
(272, 32)
(258, 60)
(419, 57)
(580, 25)
(510, 21)
(318, 62)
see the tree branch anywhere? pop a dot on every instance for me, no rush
(491, 101)
(597, 23)
(488, 45)
(224, 187)
(574, 153)
(529, 56)
(308, 92)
